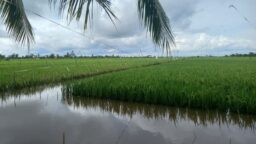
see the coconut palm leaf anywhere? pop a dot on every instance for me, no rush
(151, 13)
(156, 22)
(14, 17)
(75, 9)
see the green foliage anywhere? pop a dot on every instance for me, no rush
(29, 72)
(13, 14)
(226, 84)
(75, 9)
(157, 23)
(151, 13)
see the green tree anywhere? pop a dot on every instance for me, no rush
(151, 14)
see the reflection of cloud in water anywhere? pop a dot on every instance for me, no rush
(174, 115)
(43, 93)
(33, 123)
(42, 117)
(175, 125)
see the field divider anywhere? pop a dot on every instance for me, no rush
(20, 71)
(31, 84)
(97, 73)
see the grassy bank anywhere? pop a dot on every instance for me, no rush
(207, 83)
(24, 73)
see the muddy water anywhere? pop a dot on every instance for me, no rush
(46, 116)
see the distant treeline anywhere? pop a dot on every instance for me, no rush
(57, 56)
(73, 55)
(251, 54)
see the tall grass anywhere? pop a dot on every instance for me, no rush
(24, 73)
(226, 84)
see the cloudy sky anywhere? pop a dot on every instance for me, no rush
(201, 27)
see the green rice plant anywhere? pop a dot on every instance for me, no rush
(22, 73)
(225, 84)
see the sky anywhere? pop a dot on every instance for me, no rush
(201, 27)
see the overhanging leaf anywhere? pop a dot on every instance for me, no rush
(157, 23)
(13, 14)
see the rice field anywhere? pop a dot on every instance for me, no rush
(30, 72)
(225, 84)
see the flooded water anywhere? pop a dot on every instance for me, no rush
(47, 116)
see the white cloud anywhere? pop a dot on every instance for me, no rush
(205, 41)
(200, 25)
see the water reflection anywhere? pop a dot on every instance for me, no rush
(198, 117)
(49, 116)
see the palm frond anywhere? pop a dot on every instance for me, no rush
(13, 14)
(151, 14)
(75, 9)
(157, 23)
